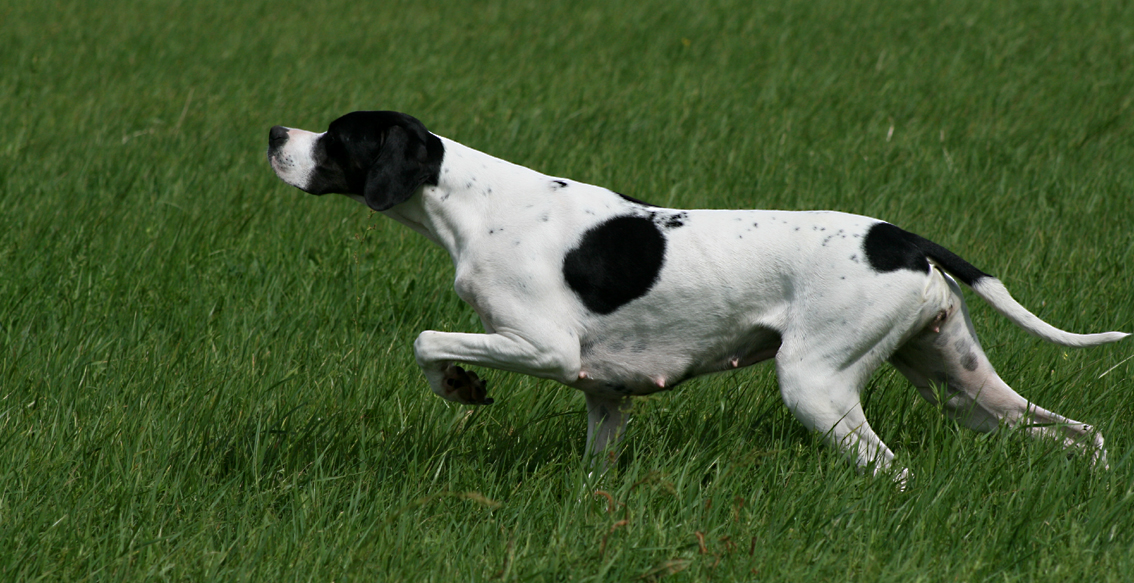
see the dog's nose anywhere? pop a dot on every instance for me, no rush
(277, 135)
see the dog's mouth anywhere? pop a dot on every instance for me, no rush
(284, 167)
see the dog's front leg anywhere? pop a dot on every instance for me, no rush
(436, 352)
(606, 419)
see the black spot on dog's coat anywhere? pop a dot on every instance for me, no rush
(889, 248)
(635, 201)
(615, 262)
(676, 220)
(671, 221)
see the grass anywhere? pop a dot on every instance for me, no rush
(207, 375)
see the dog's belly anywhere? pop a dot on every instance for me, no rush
(632, 361)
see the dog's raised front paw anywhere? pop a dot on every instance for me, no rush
(464, 386)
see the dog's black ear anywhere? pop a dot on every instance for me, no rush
(409, 158)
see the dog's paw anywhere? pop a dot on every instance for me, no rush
(464, 386)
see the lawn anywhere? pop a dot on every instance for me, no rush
(207, 375)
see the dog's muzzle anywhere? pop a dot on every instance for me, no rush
(290, 152)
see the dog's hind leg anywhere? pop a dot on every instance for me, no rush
(947, 365)
(826, 400)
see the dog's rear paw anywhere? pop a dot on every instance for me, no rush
(464, 386)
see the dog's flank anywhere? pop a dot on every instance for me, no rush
(616, 297)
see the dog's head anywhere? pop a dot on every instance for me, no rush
(383, 157)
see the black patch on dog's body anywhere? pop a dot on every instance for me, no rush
(889, 248)
(615, 262)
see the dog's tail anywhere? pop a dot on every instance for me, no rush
(997, 295)
(992, 291)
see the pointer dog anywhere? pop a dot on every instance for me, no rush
(616, 297)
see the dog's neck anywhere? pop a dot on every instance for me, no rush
(473, 188)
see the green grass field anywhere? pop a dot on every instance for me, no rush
(206, 375)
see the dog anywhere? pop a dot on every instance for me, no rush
(616, 297)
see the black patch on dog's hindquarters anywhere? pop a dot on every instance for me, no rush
(615, 262)
(889, 248)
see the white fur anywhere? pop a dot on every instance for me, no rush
(294, 164)
(994, 292)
